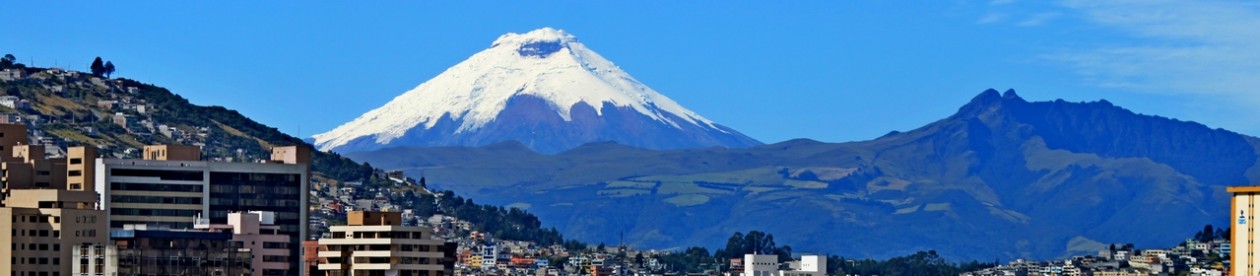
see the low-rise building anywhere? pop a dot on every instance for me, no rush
(257, 232)
(138, 250)
(376, 243)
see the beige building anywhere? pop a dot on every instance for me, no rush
(376, 243)
(43, 215)
(257, 232)
(25, 166)
(10, 135)
(42, 225)
(80, 168)
(172, 152)
(1244, 259)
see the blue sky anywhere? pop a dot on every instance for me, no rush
(776, 70)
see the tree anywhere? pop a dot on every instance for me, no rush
(109, 68)
(7, 61)
(98, 67)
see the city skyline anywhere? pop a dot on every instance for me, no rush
(827, 71)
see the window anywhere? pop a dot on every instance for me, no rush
(76, 161)
(275, 245)
(73, 173)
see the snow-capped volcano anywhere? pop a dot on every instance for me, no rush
(544, 89)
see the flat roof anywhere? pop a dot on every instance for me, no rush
(1243, 189)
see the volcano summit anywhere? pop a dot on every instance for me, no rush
(544, 89)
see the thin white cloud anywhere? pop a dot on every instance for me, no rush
(990, 18)
(1207, 52)
(1038, 19)
(1179, 48)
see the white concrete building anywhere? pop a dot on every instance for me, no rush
(761, 265)
(489, 256)
(809, 265)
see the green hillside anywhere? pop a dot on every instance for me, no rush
(1002, 178)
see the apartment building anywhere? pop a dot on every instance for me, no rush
(42, 225)
(376, 243)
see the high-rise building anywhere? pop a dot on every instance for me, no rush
(376, 243)
(172, 187)
(1244, 258)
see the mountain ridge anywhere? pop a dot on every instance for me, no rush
(1000, 164)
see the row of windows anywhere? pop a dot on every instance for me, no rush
(380, 235)
(153, 212)
(37, 261)
(246, 189)
(37, 218)
(275, 245)
(33, 273)
(260, 178)
(420, 248)
(415, 260)
(100, 267)
(37, 246)
(275, 259)
(116, 186)
(254, 204)
(172, 225)
(154, 199)
(36, 233)
(164, 175)
(371, 260)
(134, 262)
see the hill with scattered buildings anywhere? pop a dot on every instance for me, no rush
(119, 116)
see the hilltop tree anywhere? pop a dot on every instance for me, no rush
(755, 242)
(8, 61)
(109, 68)
(98, 67)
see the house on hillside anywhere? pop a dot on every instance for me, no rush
(9, 101)
(12, 75)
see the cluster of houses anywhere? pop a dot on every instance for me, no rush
(479, 254)
(1190, 258)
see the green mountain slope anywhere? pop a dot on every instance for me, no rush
(1002, 178)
